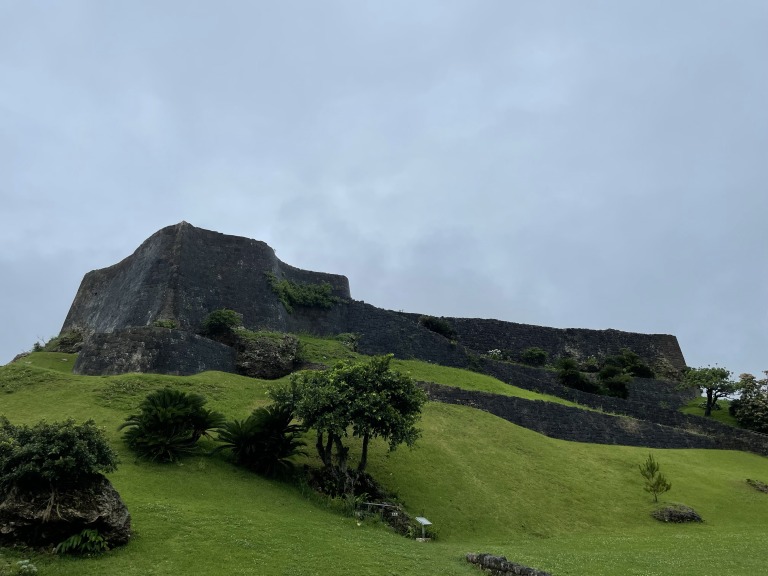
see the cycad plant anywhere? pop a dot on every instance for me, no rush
(169, 424)
(264, 441)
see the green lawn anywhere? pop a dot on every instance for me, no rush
(695, 407)
(488, 486)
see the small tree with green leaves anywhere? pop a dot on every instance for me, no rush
(713, 382)
(655, 481)
(365, 400)
(751, 408)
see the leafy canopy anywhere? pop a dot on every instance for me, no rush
(365, 400)
(751, 408)
(714, 382)
(53, 454)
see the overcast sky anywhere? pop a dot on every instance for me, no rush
(572, 164)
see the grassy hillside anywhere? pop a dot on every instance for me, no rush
(487, 485)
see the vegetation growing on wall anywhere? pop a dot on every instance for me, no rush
(69, 342)
(222, 323)
(534, 356)
(438, 326)
(309, 295)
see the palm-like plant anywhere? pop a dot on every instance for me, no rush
(169, 424)
(264, 441)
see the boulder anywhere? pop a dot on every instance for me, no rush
(676, 513)
(42, 519)
(268, 357)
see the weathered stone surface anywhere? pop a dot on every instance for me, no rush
(35, 519)
(677, 513)
(158, 350)
(182, 273)
(500, 566)
(659, 429)
(268, 358)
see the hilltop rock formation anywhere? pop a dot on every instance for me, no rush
(182, 273)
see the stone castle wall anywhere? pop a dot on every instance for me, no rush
(578, 425)
(183, 273)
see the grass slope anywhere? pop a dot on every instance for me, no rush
(487, 485)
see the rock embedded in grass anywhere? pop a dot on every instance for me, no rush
(500, 566)
(677, 513)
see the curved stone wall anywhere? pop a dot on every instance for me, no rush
(158, 350)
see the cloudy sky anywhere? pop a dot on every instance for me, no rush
(596, 164)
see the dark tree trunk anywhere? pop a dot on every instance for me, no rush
(364, 455)
(322, 450)
(710, 403)
(341, 455)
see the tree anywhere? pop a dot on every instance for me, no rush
(714, 382)
(655, 482)
(367, 400)
(751, 408)
(169, 424)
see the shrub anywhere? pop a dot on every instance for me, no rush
(85, 543)
(534, 356)
(568, 374)
(57, 454)
(349, 339)
(614, 380)
(20, 567)
(438, 326)
(165, 323)
(169, 424)
(591, 365)
(751, 408)
(631, 363)
(69, 342)
(310, 295)
(264, 441)
(221, 322)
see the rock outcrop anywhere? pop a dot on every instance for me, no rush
(41, 519)
(182, 273)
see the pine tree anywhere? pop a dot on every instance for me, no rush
(655, 482)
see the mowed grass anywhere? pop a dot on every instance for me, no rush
(722, 415)
(486, 484)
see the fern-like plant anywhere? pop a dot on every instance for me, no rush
(169, 424)
(265, 441)
(87, 542)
